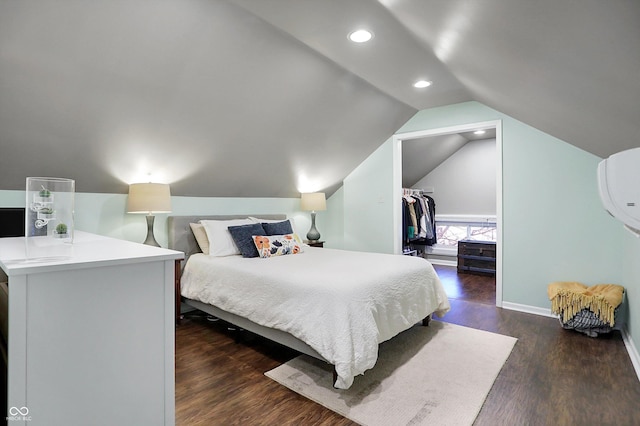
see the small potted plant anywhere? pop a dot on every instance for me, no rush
(44, 195)
(45, 213)
(61, 231)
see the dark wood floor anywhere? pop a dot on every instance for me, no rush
(553, 376)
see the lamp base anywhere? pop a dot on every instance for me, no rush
(151, 240)
(313, 234)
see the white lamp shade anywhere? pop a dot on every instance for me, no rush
(313, 201)
(149, 198)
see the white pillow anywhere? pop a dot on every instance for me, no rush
(220, 240)
(201, 236)
(258, 220)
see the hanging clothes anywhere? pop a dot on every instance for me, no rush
(418, 218)
(430, 219)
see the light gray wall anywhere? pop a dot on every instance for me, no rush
(333, 218)
(561, 234)
(105, 214)
(465, 183)
(631, 281)
(368, 204)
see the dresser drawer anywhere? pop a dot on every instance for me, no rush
(475, 248)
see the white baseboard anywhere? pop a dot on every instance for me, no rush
(443, 262)
(528, 309)
(632, 350)
(626, 338)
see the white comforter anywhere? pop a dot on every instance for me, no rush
(341, 303)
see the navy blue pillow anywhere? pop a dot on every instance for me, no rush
(277, 228)
(243, 237)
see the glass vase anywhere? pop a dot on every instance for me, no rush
(49, 219)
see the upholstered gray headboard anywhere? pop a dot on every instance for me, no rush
(181, 238)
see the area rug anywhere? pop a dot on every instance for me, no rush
(435, 375)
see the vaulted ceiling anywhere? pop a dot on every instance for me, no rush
(267, 98)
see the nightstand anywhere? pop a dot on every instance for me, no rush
(315, 243)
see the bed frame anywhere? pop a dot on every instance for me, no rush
(181, 238)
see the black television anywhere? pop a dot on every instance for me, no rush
(12, 221)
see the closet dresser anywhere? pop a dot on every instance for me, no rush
(477, 257)
(91, 334)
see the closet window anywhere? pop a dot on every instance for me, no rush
(450, 232)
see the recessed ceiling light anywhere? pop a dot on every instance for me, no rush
(360, 36)
(421, 84)
(479, 132)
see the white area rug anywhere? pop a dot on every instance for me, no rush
(435, 375)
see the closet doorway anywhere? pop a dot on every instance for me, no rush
(440, 142)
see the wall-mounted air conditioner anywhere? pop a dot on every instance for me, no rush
(619, 187)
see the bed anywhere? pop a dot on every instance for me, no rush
(334, 305)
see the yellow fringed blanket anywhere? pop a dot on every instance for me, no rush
(569, 298)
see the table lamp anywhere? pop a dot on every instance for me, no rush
(149, 198)
(313, 201)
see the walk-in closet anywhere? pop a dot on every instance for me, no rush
(449, 199)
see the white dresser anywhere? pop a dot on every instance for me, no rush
(91, 336)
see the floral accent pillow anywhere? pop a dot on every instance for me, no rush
(277, 245)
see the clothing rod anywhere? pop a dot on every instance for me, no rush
(419, 190)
